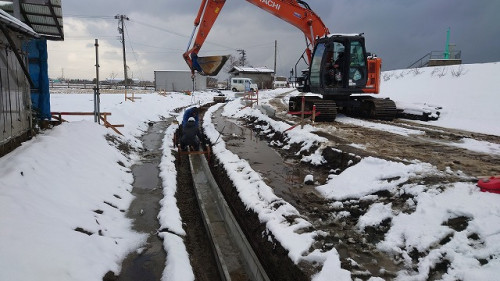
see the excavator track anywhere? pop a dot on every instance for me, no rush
(377, 108)
(327, 109)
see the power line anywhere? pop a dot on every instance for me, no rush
(179, 34)
(159, 28)
(225, 47)
(156, 47)
(133, 52)
(88, 37)
(89, 17)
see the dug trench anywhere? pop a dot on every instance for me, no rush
(285, 174)
(283, 171)
(252, 140)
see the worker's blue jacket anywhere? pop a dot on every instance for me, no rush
(189, 113)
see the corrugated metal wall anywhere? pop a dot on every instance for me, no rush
(178, 81)
(15, 115)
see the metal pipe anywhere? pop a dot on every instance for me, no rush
(191, 39)
(4, 111)
(8, 89)
(97, 99)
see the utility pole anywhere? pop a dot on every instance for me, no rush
(97, 97)
(275, 54)
(243, 57)
(121, 30)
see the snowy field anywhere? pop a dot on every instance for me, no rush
(66, 180)
(468, 98)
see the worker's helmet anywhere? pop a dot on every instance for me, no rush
(191, 119)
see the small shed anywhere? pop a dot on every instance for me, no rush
(262, 76)
(178, 81)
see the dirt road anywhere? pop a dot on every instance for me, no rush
(435, 145)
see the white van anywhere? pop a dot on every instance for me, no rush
(243, 85)
(280, 84)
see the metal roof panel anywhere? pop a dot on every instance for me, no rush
(44, 17)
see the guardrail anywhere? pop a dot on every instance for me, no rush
(69, 85)
(435, 55)
(102, 116)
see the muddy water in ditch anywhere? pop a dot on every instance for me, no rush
(282, 175)
(148, 263)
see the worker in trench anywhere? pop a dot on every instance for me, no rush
(190, 132)
(190, 112)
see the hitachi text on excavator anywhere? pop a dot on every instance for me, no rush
(340, 68)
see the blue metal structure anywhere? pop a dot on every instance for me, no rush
(38, 68)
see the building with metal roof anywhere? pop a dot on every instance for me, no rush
(15, 103)
(263, 76)
(25, 27)
(43, 16)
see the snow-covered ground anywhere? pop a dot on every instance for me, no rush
(466, 94)
(70, 179)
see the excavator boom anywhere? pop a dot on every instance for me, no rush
(295, 12)
(299, 14)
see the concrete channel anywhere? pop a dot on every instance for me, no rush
(148, 263)
(235, 257)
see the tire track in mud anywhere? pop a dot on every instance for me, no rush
(435, 146)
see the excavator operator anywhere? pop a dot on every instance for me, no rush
(335, 66)
(338, 66)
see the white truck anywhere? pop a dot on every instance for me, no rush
(243, 85)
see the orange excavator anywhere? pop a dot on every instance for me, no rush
(340, 68)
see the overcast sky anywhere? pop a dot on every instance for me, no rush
(398, 31)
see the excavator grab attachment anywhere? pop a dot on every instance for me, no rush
(210, 65)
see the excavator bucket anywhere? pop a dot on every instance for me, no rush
(210, 65)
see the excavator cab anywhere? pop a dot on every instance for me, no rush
(340, 66)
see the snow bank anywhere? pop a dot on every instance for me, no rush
(467, 94)
(62, 199)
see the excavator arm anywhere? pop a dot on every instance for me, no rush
(295, 12)
(207, 14)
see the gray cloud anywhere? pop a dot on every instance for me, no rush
(399, 31)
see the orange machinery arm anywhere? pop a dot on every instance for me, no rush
(295, 12)
(207, 14)
(298, 14)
